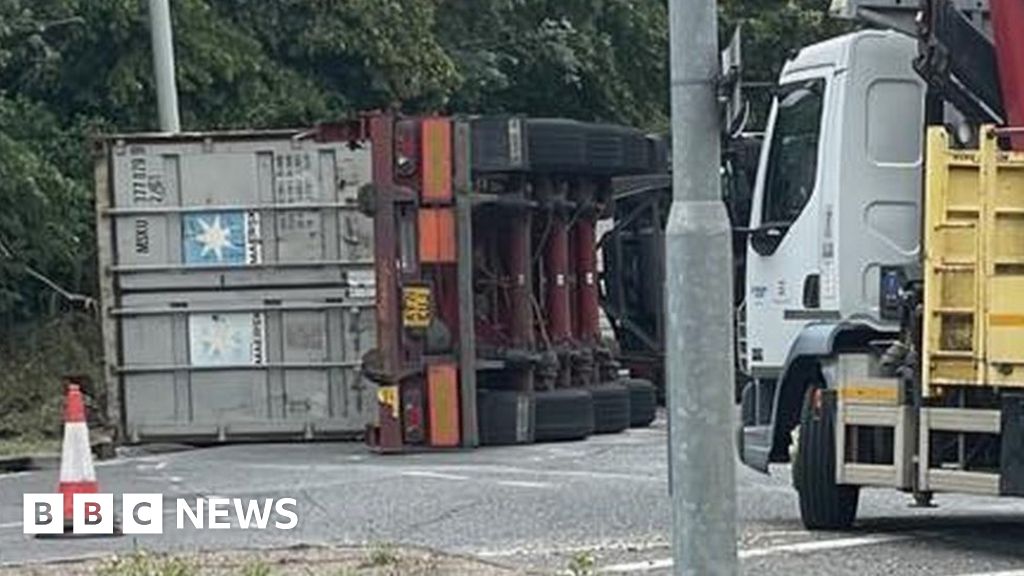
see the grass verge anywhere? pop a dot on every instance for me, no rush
(23, 446)
(373, 560)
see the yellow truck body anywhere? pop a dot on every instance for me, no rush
(973, 265)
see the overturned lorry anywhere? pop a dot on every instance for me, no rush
(434, 280)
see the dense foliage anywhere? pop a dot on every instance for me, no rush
(69, 68)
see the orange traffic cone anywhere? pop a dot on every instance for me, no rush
(77, 474)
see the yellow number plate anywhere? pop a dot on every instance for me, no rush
(388, 396)
(415, 306)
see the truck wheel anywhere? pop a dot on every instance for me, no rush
(611, 408)
(504, 417)
(824, 505)
(563, 414)
(643, 402)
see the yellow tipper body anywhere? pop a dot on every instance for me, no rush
(974, 265)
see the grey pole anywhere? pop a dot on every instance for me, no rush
(163, 65)
(698, 286)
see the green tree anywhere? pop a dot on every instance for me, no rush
(773, 31)
(588, 59)
(363, 54)
(73, 68)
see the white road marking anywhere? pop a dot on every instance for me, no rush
(298, 467)
(505, 470)
(111, 462)
(429, 474)
(1019, 572)
(10, 525)
(476, 470)
(797, 548)
(637, 566)
(523, 484)
(151, 466)
(822, 545)
(773, 533)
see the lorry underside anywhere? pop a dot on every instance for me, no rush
(487, 281)
(632, 251)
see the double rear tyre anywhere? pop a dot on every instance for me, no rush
(643, 402)
(505, 417)
(563, 414)
(612, 411)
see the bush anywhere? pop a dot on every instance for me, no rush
(35, 358)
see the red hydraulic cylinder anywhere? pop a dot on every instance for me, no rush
(556, 266)
(587, 301)
(1008, 29)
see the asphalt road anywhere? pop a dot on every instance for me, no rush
(535, 507)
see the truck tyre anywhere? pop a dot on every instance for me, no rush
(504, 417)
(611, 408)
(824, 505)
(563, 414)
(643, 402)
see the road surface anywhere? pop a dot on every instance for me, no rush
(535, 507)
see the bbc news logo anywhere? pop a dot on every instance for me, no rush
(144, 514)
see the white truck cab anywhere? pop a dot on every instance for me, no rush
(836, 204)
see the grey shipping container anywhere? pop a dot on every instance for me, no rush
(236, 285)
(232, 364)
(235, 210)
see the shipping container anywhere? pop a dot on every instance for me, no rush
(236, 284)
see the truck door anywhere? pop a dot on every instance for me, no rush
(783, 273)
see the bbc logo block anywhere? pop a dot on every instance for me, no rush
(92, 514)
(43, 513)
(96, 514)
(142, 513)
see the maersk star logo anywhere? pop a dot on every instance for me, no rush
(221, 339)
(214, 238)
